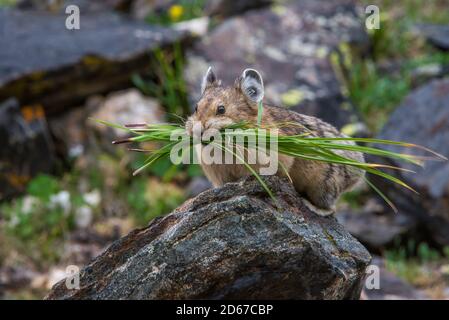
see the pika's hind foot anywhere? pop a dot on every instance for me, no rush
(319, 211)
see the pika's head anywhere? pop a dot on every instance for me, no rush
(221, 106)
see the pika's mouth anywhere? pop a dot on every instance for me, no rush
(205, 142)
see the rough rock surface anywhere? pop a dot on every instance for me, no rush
(377, 228)
(226, 8)
(84, 5)
(128, 106)
(423, 118)
(437, 35)
(26, 147)
(41, 60)
(140, 9)
(230, 243)
(291, 46)
(76, 132)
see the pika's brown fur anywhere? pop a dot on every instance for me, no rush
(322, 183)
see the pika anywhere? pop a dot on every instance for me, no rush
(319, 182)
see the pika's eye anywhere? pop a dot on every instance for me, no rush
(221, 110)
(196, 108)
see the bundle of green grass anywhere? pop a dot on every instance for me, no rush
(300, 146)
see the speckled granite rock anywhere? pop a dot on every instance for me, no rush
(230, 243)
(42, 61)
(291, 46)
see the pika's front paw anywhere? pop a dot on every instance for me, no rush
(319, 211)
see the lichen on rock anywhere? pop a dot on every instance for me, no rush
(231, 242)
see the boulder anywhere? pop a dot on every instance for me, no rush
(423, 119)
(427, 72)
(198, 185)
(436, 34)
(84, 5)
(140, 9)
(291, 46)
(231, 242)
(376, 227)
(26, 146)
(41, 60)
(126, 107)
(77, 133)
(226, 8)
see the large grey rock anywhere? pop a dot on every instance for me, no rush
(437, 35)
(230, 243)
(423, 118)
(83, 5)
(141, 9)
(226, 8)
(376, 227)
(26, 146)
(125, 107)
(290, 45)
(42, 61)
(78, 134)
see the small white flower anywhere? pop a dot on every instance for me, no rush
(76, 151)
(28, 204)
(92, 198)
(83, 217)
(61, 200)
(14, 221)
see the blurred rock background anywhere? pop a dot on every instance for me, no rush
(66, 192)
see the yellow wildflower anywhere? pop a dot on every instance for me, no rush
(175, 12)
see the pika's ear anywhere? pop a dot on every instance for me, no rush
(251, 85)
(209, 79)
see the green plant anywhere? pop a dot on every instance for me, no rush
(36, 224)
(411, 261)
(150, 198)
(395, 38)
(180, 11)
(43, 187)
(354, 198)
(374, 93)
(397, 262)
(446, 251)
(35, 227)
(426, 254)
(169, 87)
(137, 202)
(301, 146)
(375, 90)
(7, 3)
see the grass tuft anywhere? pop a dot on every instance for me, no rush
(300, 146)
